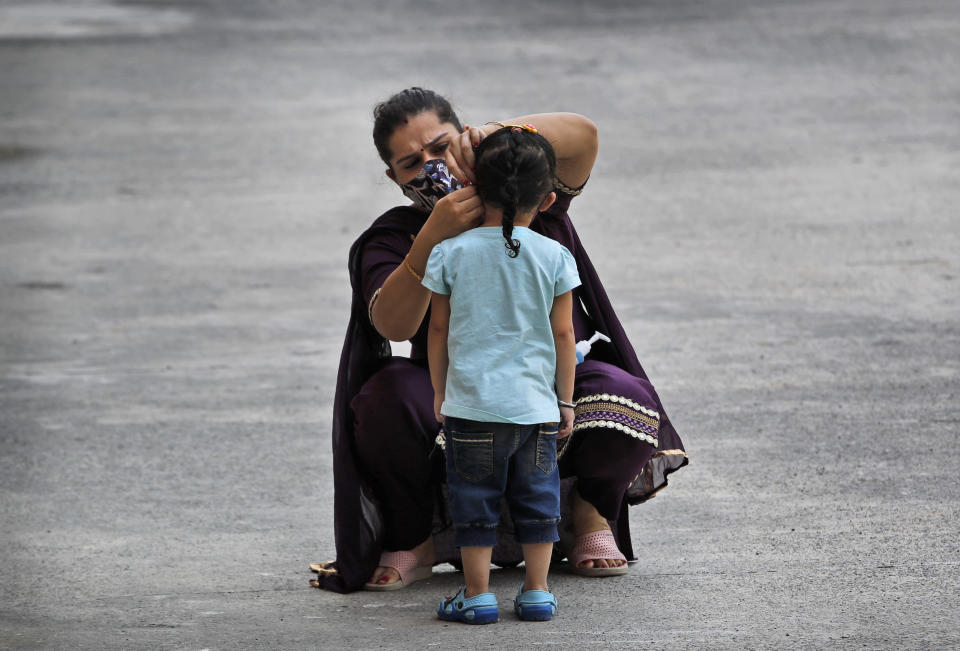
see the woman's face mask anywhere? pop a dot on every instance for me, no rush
(431, 185)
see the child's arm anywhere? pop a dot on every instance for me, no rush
(561, 322)
(437, 349)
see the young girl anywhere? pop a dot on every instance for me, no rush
(502, 357)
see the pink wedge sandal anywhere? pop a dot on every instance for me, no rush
(406, 565)
(592, 546)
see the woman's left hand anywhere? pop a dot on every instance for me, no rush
(460, 154)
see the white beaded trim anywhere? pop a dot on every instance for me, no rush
(620, 427)
(621, 400)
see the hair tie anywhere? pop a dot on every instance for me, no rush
(516, 127)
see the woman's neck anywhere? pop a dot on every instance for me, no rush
(493, 216)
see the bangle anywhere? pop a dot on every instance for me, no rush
(413, 272)
(373, 300)
(563, 187)
(564, 403)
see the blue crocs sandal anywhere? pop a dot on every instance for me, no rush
(535, 605)
(481, 609)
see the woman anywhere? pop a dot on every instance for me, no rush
(391, 524)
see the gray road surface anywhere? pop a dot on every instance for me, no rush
(774, 210)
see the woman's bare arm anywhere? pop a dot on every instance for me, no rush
(573, 136)
(574, 139)
(403, 301)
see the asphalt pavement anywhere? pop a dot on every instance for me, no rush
(774, 212)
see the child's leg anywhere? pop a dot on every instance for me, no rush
(476, 483)
(533, 492)
(476, 569)
(536, 559)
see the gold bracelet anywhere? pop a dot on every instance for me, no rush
(413, 272)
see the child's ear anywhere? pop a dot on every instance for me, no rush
(548, 201)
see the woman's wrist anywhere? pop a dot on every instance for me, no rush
(413, 272)
(420, 251)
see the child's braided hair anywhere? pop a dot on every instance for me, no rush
(515, 171)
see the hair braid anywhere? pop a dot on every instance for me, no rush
(515, 171)
(511, 192)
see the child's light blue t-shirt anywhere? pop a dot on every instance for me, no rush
(500, 343)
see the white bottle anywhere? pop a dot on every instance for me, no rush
(584, 345)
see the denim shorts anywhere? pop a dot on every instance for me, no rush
(488, 461)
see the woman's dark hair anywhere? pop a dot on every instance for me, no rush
(389, 115)
(515, 171)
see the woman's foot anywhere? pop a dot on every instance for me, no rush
(426, 556)
(587, 519)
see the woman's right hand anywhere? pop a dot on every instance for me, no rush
(457, 212)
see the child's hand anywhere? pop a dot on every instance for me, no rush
(437, 403)
(566, 422)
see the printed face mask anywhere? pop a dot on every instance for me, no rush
(431, 185)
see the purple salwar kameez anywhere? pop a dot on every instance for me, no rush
(388, 472)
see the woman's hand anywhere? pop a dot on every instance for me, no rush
(566, 422)
(460, 154)
(457, 212)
